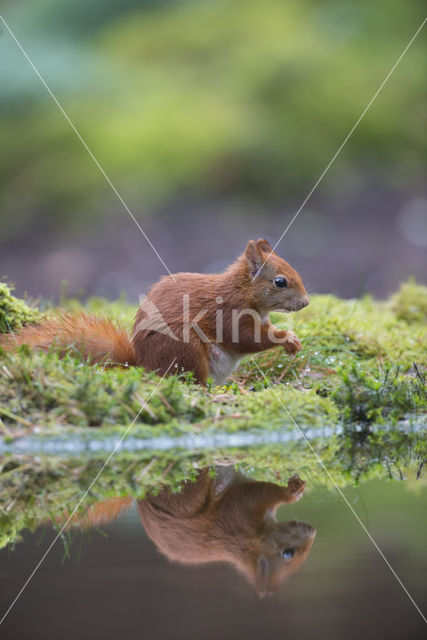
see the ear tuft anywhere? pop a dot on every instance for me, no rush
(253, 257)
(262, 575)
(264, 245)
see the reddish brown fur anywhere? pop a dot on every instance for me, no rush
(248, 284)
(98, 339)
(101, 512)
(228, 518)
(239, 291)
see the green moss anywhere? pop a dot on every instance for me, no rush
(379, 397)
(357, 365)
(359, 353)
(51, 393)
(410, 302)
(361, 365)
(14, 312)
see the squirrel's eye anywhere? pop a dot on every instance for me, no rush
(280, 282)
(288, 553)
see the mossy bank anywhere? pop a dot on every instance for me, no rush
(360, 374)
(362, 362)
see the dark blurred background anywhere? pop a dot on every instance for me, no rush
(213, 119)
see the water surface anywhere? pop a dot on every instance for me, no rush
(112, 581)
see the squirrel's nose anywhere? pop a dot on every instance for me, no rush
(304, 302)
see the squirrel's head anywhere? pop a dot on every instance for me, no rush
(275, 285)
(281, 550)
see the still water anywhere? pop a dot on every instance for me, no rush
(227, 558)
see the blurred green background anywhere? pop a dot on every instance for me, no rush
(213, 119)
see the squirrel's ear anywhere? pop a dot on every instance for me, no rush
(264, 245)
(262, 576)
(253, 257)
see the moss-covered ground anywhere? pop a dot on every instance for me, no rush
(362, 361)
(362, 368)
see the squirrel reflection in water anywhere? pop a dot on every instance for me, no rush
(223, 517)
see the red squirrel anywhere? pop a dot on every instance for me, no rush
(188, 322)
(226, 517)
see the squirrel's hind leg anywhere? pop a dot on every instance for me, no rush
(163, 354)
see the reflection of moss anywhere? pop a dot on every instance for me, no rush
(356, 368)
(35, 490)
(14, 312)
(388, 453)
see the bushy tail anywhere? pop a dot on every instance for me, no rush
(97, 339)
(100, 513)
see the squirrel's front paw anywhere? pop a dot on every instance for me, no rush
(291, 344)
(296, 487)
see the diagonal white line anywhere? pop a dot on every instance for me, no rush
(320, 461)
(12, 604)
(344, 142)
(86, 146)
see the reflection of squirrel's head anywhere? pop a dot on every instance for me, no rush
(198, 526)
(278, 553)
(226, 519)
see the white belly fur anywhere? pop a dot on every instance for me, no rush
(222, 363)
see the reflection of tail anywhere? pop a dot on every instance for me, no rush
(98, 339)
(101, 512)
